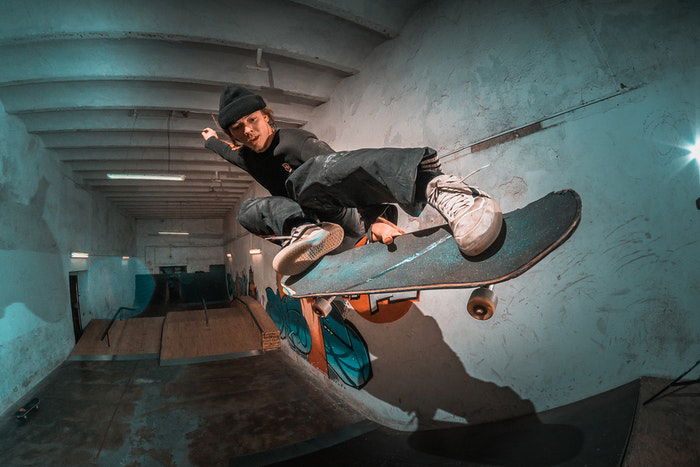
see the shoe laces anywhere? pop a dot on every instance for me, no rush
(298, 232)
(451, 199)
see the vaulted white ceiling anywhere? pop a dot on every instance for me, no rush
(126, 86)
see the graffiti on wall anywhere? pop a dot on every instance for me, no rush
(243, 284)
(287, 316)
(345, 351)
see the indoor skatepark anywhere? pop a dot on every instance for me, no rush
(208, 362)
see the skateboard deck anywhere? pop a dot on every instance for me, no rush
(24, 411)
(430, 259)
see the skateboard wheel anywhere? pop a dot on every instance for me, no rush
(482, 303)
(322, 307)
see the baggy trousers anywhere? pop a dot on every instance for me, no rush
(332, 187)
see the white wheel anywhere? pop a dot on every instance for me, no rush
(482, 303)
(322, 306)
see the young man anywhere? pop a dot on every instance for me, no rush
(319, 195)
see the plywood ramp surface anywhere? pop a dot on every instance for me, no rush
(230, 332)
(135, 337)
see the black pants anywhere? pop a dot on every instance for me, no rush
(344, 188)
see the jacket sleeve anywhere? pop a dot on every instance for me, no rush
(313, 147)
(225, 151)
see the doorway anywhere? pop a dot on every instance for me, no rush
(75, 305)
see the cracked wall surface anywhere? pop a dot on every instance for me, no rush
(615, 87)
(44, 216)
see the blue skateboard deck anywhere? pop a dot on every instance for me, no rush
(430, 259)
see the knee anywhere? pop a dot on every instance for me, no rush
(248, 212)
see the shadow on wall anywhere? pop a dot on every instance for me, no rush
(35, 274)
(417, 372)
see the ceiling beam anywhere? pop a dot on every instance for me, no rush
(301, 33)
(154, 95)
(128, 154)
(121, 120)
(153, 60)
(152, 185)
(188, 189)
(134, 140)
(386, 17)
(131, 166)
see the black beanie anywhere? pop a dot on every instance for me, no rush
(235, 103)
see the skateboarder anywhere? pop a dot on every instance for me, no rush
(319, 195)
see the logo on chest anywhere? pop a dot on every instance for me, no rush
(287, 167)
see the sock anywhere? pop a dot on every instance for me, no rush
(430, 162)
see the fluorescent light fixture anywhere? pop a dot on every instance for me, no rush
(229, 255)
(164, 177)
(173, 233)
(125, 258)
(255, 251)
(79, 255)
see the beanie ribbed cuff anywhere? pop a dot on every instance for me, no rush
(236, 102)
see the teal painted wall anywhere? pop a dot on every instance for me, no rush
(620, 299)
(44, 216)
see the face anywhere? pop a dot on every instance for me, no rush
(254, 131)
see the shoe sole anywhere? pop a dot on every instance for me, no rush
(299, 256)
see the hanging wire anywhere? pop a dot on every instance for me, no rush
(170, 115)
(131, 134)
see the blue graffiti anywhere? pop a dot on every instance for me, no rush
(286, 314)
(346, 353)
(230, 287)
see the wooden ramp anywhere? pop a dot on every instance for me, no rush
(129, 339)
(269, 333)
(221, 333)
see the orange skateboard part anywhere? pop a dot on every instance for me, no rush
(317, 355)
(386, 312)
(390, 311)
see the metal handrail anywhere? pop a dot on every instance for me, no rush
(206, 313)
(106, 333)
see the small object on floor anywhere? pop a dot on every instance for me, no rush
(24, 411)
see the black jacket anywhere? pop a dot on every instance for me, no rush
(289, 149)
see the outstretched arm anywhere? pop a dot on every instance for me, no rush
(225, 149)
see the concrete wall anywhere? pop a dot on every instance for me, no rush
(197, 251)
(44, 215)
(615, 85)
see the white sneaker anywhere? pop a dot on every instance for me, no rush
(473, 216)
(307, 244)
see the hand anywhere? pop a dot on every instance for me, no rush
(385, 231)
(208, 133)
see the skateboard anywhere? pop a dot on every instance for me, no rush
(24, 411)
(430, 259)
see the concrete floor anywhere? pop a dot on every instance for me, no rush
(139, 413)
(260, 410)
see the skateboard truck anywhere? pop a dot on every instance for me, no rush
(482, 303)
